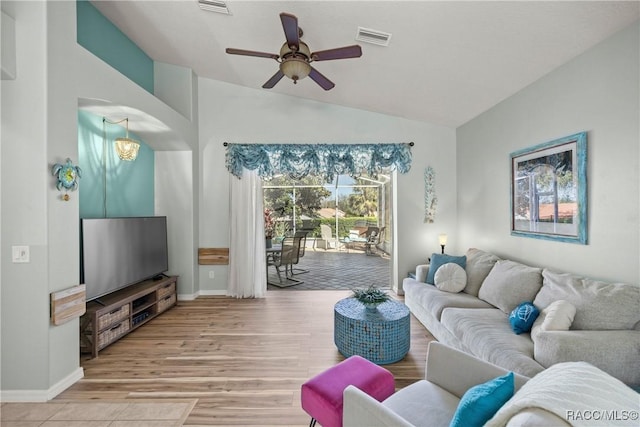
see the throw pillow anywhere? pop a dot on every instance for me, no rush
(450, 277)
(482, 401)
(479, 264)
(509, 283)
(522, 317)
(558, 316)
(438, 260)
(599, 305)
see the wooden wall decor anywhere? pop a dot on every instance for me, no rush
(213, 256)
(68, 304)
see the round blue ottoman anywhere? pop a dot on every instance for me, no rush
(380, 335)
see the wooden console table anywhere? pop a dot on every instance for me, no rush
(122, 311)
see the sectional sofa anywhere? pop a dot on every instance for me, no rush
(470, 307)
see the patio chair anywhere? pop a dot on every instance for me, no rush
(327, 237)
(302, 246)
(288, 255)
(374, 237)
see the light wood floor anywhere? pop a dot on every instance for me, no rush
(243, 359)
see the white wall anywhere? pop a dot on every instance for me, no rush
(39, 128)
(241, 115)
(25, 184)
(596, 92)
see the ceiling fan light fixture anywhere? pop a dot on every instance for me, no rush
(296, 68)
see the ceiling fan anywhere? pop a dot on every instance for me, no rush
(295, 56)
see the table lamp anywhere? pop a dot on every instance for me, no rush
(442, 238)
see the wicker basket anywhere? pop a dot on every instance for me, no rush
(113, 316)
(166, 290)
(167, 302)
(110, 335)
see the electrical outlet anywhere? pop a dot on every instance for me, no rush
(19, 254)
(212, 275)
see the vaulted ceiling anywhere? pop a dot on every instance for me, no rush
(446, 62)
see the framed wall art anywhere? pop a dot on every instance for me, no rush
(549, 190)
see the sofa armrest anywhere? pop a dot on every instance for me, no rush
(421, 272)
(456, 371)
(360, 409)
(615, 352)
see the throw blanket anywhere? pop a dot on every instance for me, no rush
(577, 392)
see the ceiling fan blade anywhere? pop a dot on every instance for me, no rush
(324, 82)
(290, 26)
(233, 51)
(338, 53)
(273, 80)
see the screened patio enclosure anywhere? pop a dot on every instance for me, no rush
(347, 205)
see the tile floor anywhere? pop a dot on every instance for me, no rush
(339, 270)
(119, 413)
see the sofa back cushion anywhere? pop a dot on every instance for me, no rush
(479, 264)
(599, 305)
(509, 283)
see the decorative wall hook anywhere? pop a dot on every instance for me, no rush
(67, 176)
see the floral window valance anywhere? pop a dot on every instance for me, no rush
(328, 160)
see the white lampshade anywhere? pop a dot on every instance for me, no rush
(442, 238)
(295, 68)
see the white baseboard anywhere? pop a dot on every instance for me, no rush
(42, 395)
(204, 293)
(191, 297)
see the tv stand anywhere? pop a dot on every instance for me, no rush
(120, 312)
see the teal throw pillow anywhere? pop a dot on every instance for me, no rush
(438, 260)
(522, 317)
(480, 403)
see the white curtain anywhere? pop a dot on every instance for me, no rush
(247, 268)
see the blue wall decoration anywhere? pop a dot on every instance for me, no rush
(67, 176)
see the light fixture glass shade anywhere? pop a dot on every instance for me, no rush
(127, 148)
(295, 68)
(442, 238)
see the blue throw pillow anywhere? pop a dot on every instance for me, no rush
(522, 317)
(480, 403)
(438, 260)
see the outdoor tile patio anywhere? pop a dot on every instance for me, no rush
(333, 269)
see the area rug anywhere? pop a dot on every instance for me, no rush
(115, 413)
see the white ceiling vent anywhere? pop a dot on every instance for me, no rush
(214, 6)
(367, 35)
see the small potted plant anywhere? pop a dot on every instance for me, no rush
(370, 297)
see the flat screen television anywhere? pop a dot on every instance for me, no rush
(118, 252)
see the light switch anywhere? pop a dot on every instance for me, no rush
(20, 254)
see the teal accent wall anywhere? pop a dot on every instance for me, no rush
(99, 36)
(129, 185)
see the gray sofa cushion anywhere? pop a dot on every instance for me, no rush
(434, 300)
(424, 398)
(599, 305)
(509, 283)
(487, 334)
(479, 264)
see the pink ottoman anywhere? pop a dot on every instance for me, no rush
(322, 394)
